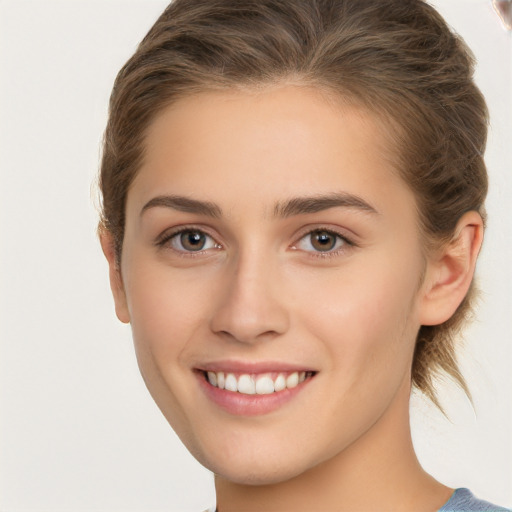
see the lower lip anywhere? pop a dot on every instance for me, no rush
(249, 405)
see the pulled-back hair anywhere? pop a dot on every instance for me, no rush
(395, 58)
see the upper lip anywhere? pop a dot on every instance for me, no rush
(250, 367)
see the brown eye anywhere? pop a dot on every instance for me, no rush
(191, 240)
(323, 240)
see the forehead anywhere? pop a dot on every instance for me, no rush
(267, 145)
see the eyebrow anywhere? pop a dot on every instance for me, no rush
(314, 204)
(184, 204)
(284, 209)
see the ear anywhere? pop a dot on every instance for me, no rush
(450, 271)
(116, 281)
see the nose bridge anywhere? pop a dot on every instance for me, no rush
(250, 305)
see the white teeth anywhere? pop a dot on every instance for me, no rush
(246, 385)
(262, 384)
(292, 380)
(212, 378)
(231, 383)
(280, 383)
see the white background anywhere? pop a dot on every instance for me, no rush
(79, 431)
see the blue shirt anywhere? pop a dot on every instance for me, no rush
(462, 500)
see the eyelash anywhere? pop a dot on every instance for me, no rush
(165, 238)
(347, 243)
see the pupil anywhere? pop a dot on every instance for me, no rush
(324, 241)
(193, 240)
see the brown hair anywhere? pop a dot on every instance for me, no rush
(397, 58)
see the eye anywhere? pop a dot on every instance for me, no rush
(322, 240)
(190, 240)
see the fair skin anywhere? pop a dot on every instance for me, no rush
(330, 287)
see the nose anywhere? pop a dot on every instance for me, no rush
(251, 306)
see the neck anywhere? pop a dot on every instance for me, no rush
(379, 471)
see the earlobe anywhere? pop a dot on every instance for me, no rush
(116, 281)
(450, 272)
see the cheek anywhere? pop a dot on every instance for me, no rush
(166, 309)
(366, 325)
(364, 315)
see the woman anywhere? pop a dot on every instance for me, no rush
(293, 206)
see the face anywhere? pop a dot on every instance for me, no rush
(271, 273)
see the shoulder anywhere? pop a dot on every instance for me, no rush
(463, 500)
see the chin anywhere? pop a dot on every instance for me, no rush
(264, 475)
(253, 465)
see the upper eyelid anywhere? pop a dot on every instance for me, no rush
(342, 233)
(346, 242)
(324, 230)
(167, 234)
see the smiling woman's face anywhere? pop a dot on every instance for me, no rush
(269, 242)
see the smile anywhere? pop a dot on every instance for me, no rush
(256, 384)
(249, 389)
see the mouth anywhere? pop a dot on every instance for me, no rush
(256, 383)
(249, 390)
